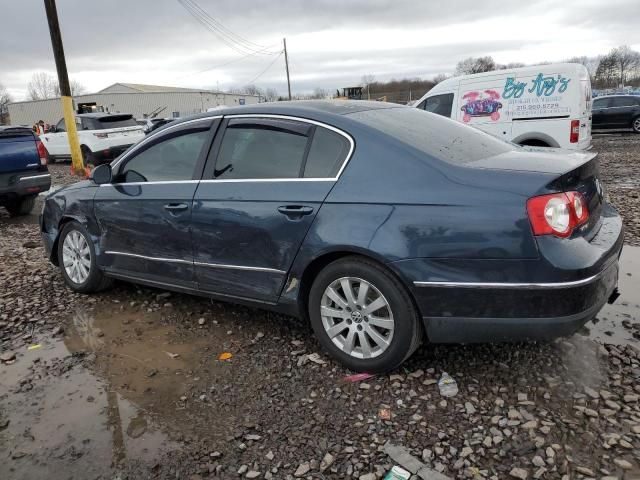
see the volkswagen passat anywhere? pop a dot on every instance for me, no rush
(381, 224)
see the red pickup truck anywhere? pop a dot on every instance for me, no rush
(23, 169)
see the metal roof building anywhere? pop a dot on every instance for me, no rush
(137, 99)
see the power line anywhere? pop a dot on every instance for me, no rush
(265, 70)
(229, 38)
(223, 28)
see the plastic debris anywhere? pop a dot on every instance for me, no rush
(34, 347)
(384, 414)
(225, 356)
(358, 377)
(172, 355)
(397, 473)
(316, 358)
(447, 385)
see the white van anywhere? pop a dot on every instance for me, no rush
(544, 105)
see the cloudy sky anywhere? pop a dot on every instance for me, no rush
(331, 43)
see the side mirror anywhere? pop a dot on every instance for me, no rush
(102, 174)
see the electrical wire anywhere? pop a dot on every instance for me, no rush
(229, 38)
(219, 65)
(265, 70)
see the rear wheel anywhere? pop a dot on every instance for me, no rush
(534, 143)
(363, 316)
(77, 258)
(636, 124)
(87, 156)
(21, 206)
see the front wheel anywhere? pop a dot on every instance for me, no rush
(77, 258)
(363, 316)
(636, 125)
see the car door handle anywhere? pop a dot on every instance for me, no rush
(295, 212)
(176, 207)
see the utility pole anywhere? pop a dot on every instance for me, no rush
(286, 64)
(77, 165)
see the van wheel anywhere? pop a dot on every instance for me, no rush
(534, 143)
(363, 316)
(636, 125)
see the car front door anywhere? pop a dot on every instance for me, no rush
(56, 142)
(600, 113)
(264, 183)
(144, 214)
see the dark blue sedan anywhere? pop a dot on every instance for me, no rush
(382, 225)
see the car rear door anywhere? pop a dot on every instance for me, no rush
(623, 110)
(264, 183)
(601, 114)
(144, 215)
(56, 142)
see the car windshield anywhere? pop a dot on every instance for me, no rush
(115, 121)
(434, 135)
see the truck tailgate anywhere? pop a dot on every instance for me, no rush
(18, 150)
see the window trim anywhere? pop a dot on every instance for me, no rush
(298, 179)
(150, 143)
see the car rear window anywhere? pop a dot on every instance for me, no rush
(115, 121)
(435, 135)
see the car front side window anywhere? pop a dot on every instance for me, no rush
(440, 104)
(172, 159)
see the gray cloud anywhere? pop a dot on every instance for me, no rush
(159, 42)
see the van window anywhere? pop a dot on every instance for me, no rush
(440, 104)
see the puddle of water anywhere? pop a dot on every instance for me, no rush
(618, 322)
(66, 420)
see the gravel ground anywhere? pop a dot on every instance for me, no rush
(128, 384)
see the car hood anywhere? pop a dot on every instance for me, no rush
(532, 159)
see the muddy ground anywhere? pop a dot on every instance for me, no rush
(129, 384)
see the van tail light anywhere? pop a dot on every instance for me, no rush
(574, 136)
(101, 135)
(557, 214)
(42, 153)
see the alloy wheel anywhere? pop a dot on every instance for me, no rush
(76, 257)
(636, 124)
(357, 317)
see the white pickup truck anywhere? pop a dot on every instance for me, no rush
(102, 136)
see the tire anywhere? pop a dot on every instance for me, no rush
(86, 277)
(21, 206)
(401, 341)
(635, 124)
(88, 157)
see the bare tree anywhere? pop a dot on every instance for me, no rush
(441, 77)
(319, 93)
(271, 95)
(472, 65)
(626, 61)
(42, 86)
(5, 100)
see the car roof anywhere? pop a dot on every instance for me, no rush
(300, 108)
(614, 95)
(102, 115)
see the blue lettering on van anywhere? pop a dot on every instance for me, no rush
(541, 85)
(513, 89)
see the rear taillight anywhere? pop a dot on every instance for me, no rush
(557, 214)
(42, 153)
(101, 135)
(574, 136)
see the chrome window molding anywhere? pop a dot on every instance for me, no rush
(200, 264)
(239, 180)
(352, 145)
(33, 177)
(509, 285)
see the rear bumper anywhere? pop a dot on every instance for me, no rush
(468, 300)
(588, 298)
(23, 184)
